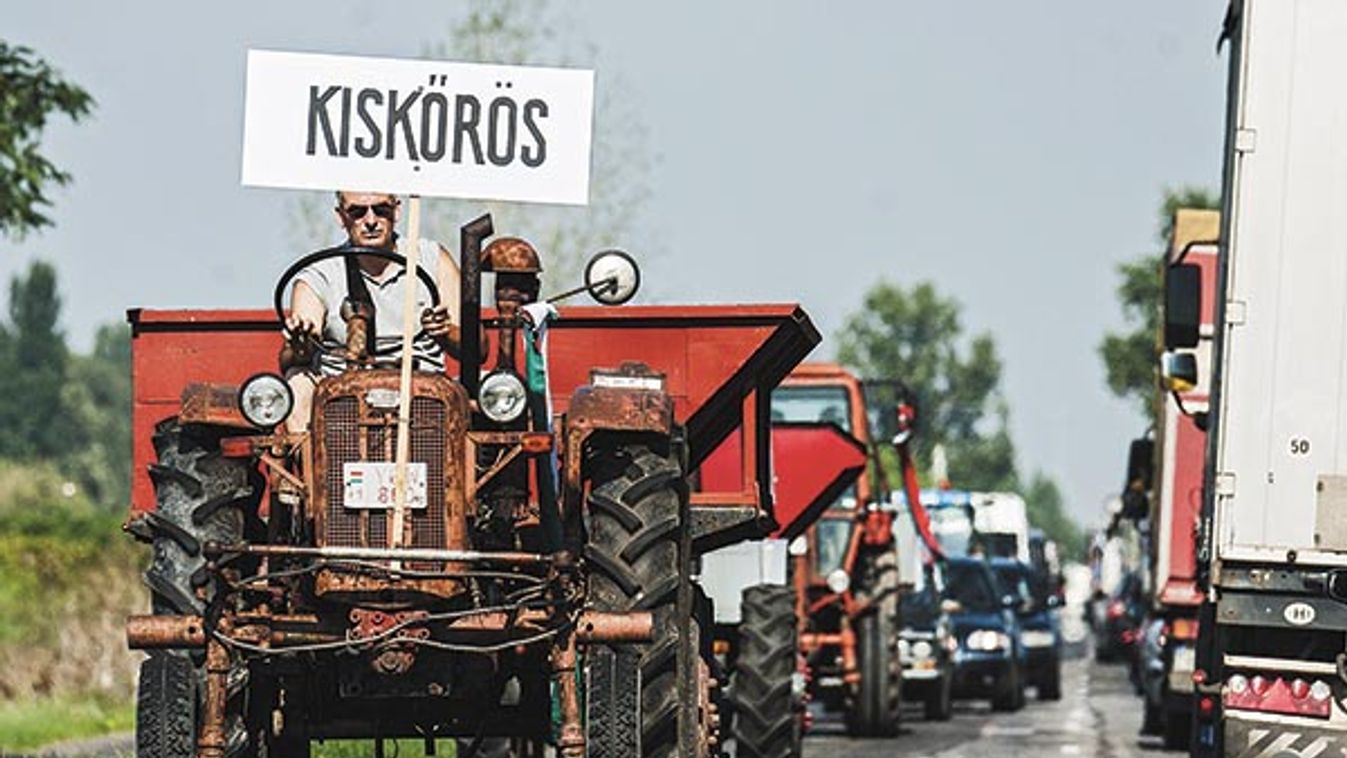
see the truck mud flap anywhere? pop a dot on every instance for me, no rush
(1264, 739)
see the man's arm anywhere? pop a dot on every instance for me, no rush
(443, 322)
(307, 312)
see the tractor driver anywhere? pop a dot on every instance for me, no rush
(322, 295)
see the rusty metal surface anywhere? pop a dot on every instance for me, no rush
(512, 255)
(603, 408)
(162, 632)
(571, 731)
(211, 740)
(353, 430)
(212, 404)
(384, 554)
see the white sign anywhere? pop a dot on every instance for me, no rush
(432, 128)
(370, 485)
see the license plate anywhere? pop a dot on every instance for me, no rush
(370, 485)
(1185, 659)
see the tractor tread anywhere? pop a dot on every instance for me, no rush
(633, 527)
(767, 721)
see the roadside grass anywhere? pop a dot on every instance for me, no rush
(365, 749)
(28, 724)
(68, 579)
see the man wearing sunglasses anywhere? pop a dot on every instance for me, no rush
(323, 288)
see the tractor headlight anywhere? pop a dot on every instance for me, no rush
(265, 400)
(502, 397)
(839, 581)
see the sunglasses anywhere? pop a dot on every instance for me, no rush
(357, 212)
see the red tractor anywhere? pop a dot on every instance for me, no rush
(533, 583)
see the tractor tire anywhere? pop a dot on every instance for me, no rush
(767, 721)
(166, 707)
(875, 711)
(939, 705)
(635, 554)
(1009, 690)
(200, 497)
(1050, 685)
(876, 704)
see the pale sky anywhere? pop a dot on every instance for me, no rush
(1013, 153)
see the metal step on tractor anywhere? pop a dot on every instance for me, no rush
(533, 586)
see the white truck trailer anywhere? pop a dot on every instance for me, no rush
(1001, 520)
(1272, 661)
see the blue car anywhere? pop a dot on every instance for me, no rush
(1040, 631)
(989, 661)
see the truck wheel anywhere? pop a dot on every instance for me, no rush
(634, 520)
(200, 496)
(1050, 686)
(766, 720)
(1177, 731)
(940, 700)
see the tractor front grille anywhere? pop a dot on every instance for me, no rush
(350, 431)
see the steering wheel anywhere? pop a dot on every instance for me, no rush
(345, 251)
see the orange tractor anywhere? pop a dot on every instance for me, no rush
(533, 585)
(813, 611)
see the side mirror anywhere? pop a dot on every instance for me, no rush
(1183, 305)
(950, 606)
(1140, 463)
(1178, 371)
(612, 277)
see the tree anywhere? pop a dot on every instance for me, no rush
(33, 357)
(530, 32)
(30, 91)
(914, 335)
(1130, 357)
(97, 396)
(70, 412)
(1047, 512)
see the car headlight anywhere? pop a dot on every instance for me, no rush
(904, 650)
(1037, 638)
(839, 581)
(921, 649)
(987, 640)
(502, 397)
(265, 400)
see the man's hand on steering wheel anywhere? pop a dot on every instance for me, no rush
(435, 322)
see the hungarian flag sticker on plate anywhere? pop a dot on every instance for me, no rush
(370, 485)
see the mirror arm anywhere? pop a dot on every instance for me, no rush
(602, 285)
(1179, 401)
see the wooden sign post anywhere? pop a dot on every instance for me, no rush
(410, 318)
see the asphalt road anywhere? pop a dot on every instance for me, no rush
(1097, 716)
